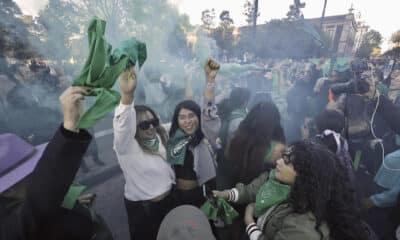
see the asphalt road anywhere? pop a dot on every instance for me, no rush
(106, 182)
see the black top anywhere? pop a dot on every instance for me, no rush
(186, 171)
(39, 215)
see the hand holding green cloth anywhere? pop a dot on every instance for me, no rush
(176, 147)
(271, 193)
(219, 209)
(72, 195)
(102, 69)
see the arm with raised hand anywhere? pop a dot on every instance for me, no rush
(56, 168)
(211, 123)
(124, 123)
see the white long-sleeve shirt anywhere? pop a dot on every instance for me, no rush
(146, 175)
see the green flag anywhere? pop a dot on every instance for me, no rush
(102, 69)
(219, 209)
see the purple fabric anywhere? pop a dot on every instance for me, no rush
(12, 150)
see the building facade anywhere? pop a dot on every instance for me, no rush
(343, 31)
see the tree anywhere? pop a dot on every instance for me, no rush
(281, 39)
(225, 20)
(14, 35)
(249, 11)
(62, 22)
(207, 17)
(372, 39)
(223, 35)
(395, 39)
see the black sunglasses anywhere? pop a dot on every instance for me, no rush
(144, 125)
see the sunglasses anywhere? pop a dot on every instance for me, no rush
(144, 125)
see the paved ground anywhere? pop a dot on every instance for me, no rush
(107, 182)
(110, 204)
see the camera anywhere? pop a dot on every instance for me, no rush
(357, 85)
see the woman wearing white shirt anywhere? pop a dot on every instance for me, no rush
(139, 142)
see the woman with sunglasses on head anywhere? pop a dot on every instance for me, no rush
(191, 146)
(140, 145)
(307, 196)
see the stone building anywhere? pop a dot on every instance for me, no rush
(345, 31)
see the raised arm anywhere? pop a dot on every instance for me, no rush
(211, 123)
(210, 69)
(188, 82)
(124, 122)
(54, 172)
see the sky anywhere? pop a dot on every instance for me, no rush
(382, 15)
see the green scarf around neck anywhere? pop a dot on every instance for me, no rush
(176, 147)
(271, 193)
(150, 145)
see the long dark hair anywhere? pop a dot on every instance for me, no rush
(252, 140)
(160, 129)
(194, 107)
(323, 187)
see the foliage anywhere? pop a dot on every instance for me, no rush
(248, 12)
(14, 41)
(225, 20)
(372, 39)
(223, 35)
(208, 17)
(281, 39)
(395, 38)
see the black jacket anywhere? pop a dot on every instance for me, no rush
(39, 215)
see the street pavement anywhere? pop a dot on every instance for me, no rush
(107, 181)
(109, 204)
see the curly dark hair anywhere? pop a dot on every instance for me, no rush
(323, 187)
(250, 143)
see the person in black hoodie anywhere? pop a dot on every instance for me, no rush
(32, 191)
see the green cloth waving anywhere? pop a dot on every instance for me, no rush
(176, 147)
(271, 193)
(102, 69)
(219, 209)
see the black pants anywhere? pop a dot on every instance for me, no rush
(145, 217)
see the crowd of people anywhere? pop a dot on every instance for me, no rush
(300, 152)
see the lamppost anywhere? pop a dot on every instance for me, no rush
(255, 15)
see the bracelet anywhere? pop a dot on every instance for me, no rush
(253, 231)
(210, 85)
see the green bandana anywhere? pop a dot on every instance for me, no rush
(219, 209)
(150, 145)
(176, 147)
(271, 193)
(102, 69)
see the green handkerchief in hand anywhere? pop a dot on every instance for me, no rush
(219, 209)
(72, 196)
(101, 70)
